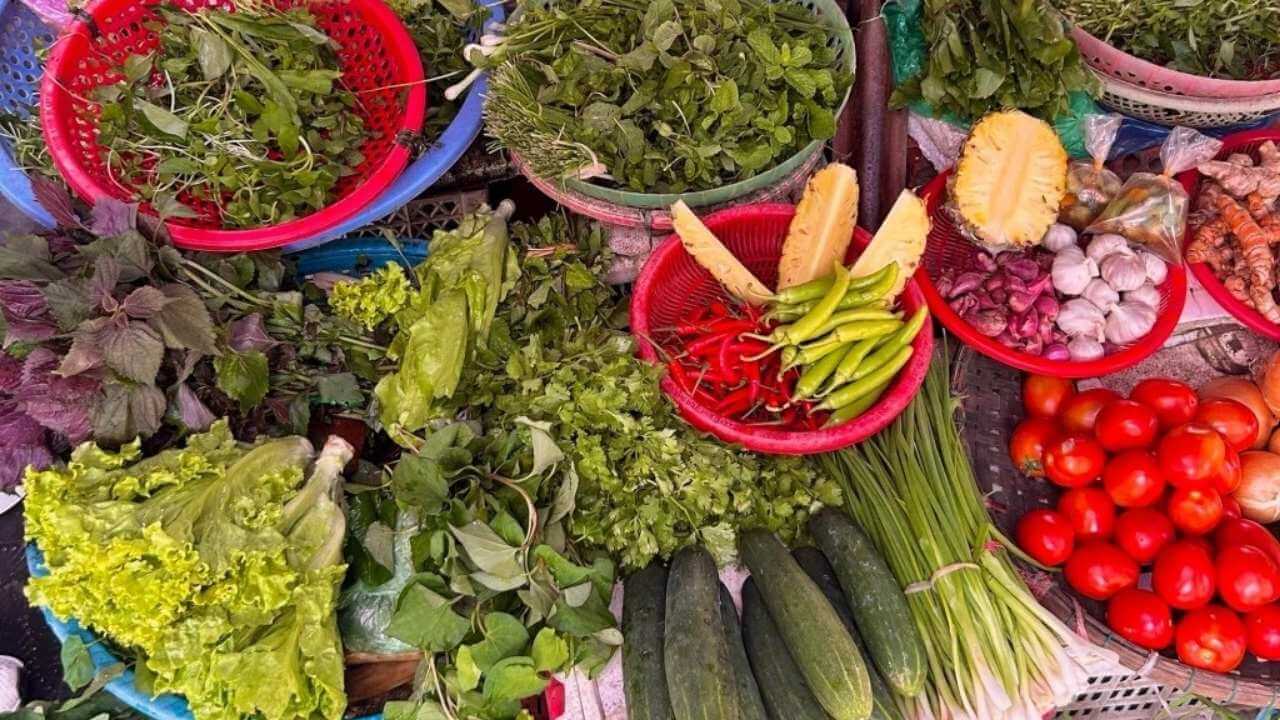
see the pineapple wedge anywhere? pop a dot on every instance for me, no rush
(901, 239)
(822, 228)
(711, 254)
(1010, 180)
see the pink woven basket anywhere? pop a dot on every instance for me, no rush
(1133, 70)
(672, 286)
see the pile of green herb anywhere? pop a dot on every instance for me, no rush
(1233, 39)
(237, 118)
(985, 55)
(454, 556)
(662, 95)
(441, 30)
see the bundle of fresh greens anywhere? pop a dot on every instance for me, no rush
(216, 565)
(441, 30)
(237, 118)
(661, 95)
(993, 651)
(986, 55)
(457, 557)
(1232, 39)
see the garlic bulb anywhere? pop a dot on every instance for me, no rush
(1124, 272)
(1080, 317)
(1101, 294)
(1157, 270)
(1084, 348)
(1072, 271)
(1129, 321)
(1107, 244)
(1147, 295)
(1059, 237)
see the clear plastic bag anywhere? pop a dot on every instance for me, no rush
(1151, 210)
(1090, 184)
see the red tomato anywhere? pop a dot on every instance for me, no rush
(1026, 446)
(1242, 531)
(1230, 507)
(1046, 536)
(1133, 479)
(1125, 425)
(1191, 455)
(1262, 626)
(1247, 578)
(1230, 475)
(1234, 421)
(1174, 402)
(1079, 413)
(1142, 533)
(1195, 511)
(1043, 395)
(1098, 570)
(1212, 638)
(1090, 512)
(1074, 460)
(1142, 618)
(1183, 575)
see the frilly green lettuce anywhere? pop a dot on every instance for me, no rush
(214, 564)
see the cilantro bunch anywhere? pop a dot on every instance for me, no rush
(662, 95)
(238, 118)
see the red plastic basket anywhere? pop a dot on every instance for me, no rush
(672, 286)
(1246, 142)
(948, 247)
(378, 60)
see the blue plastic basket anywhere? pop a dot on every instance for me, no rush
(357, 256)
(20, 71)
(427, 169)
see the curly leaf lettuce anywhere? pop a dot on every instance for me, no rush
(214, 564)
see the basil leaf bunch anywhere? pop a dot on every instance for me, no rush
(662, 95)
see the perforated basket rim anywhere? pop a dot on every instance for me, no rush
(835, 19)
(422, 173)
(54, 105)
(1190, 180)
(1174, 291)
(1184, 83)
(648, 287)
(1260, 104)
(15, 186)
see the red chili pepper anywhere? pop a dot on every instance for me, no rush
(719, 309)
(678, 374)
(735, 403)
(707, 343)
(728, 362)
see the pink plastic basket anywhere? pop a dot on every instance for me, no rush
(1133, 70)
(672, 286)
(378, 60)
(948, 247)
(1245, 142)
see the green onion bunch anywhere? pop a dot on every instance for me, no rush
(993, 651)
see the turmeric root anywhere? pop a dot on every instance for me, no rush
(1254, 246)
(1265, 303)
(1240, 181)
(1206, 241)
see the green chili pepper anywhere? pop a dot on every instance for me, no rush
(876, 291)
(845, 317)
(858, 388)
(816, 289)
(813, 352)
(860, 330)
(886, 351)
(805, 327)
(851, 361)
(813, 376)
(848, 412)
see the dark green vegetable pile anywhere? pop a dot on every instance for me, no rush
(662, 95)
(984, 55)
(1235, 39)
(239, 118)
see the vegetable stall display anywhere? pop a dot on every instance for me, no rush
(1172, 479)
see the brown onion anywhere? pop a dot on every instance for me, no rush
(1269, 383)
(1247, 394)
(1259, 489)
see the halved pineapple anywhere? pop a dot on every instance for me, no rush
(1010, 180)
(822, 228)
(901, 239)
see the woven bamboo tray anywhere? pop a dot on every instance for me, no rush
(992, 403)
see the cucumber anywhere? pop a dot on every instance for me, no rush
(644, 605)
(876, 601)
(783, 690)
(810, 628)
(819, 570)
(695, 653)
(750, 706)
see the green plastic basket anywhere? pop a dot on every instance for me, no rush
(841, 38)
